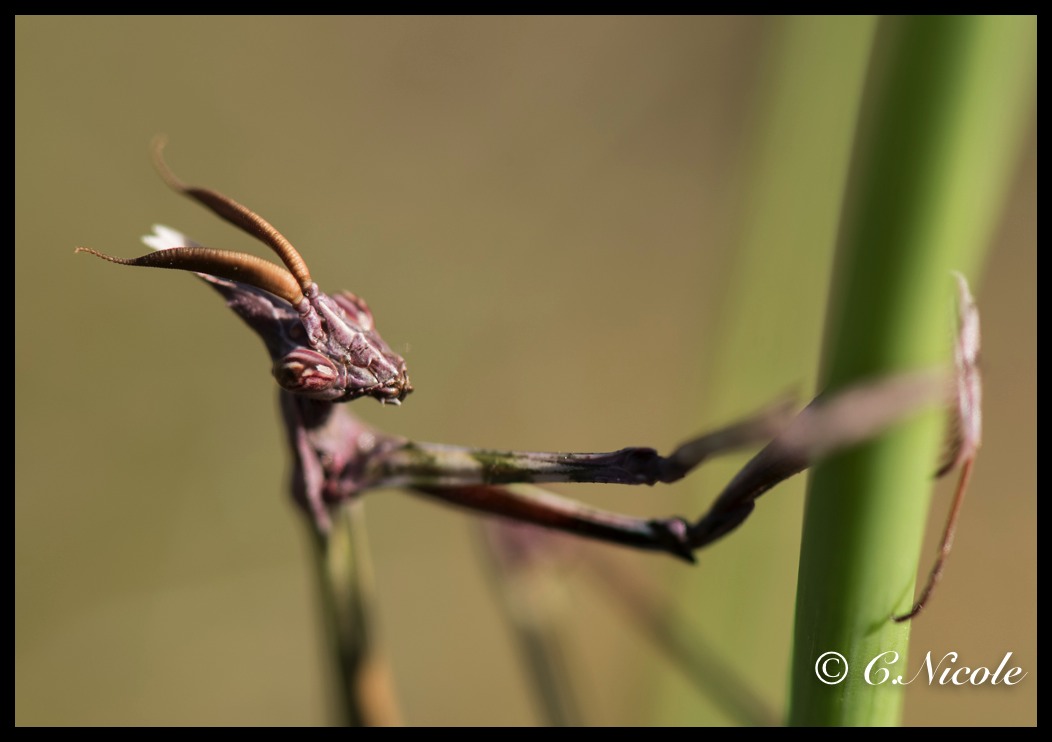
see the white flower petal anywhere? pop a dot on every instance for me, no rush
(165, 238)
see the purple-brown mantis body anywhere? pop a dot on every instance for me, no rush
(325, 349)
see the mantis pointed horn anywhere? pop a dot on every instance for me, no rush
(236, 266)
(238, 215)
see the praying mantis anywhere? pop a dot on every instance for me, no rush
(325, 350)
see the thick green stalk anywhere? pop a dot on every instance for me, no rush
(946, 103)
(768, 334)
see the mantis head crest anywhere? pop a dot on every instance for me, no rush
(323, 347)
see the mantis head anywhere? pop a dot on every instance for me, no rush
(323, 347)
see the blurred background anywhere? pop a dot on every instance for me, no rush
(582, 234)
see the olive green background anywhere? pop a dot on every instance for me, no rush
(544, 215)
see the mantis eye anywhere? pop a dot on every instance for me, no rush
(309, 373)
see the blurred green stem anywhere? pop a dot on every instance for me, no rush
(658, 618)
(345, 576)
(768, 333)
(534, 616)
(946, 102)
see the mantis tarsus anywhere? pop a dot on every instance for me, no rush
(325, 349)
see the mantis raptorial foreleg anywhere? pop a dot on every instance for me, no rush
(325, 349)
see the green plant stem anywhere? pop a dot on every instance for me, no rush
(945, 105)
(345, 575)
(658, 618)
(768, 333)
(520, 559)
